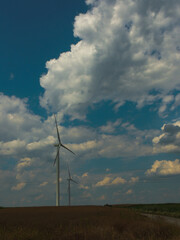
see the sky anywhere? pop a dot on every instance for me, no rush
(109, 70)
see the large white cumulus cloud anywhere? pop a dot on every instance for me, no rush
(128, 51)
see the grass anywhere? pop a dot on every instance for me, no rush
(82, 223)
(169, 209)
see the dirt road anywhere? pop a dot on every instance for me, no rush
(166, 218)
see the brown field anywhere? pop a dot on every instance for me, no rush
(82, 223)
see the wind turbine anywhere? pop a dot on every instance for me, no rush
(69, 185)
(57, 161)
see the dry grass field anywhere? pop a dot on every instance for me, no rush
(82, 223)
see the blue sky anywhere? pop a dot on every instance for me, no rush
(110, 72)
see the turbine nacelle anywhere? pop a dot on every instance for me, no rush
(56, 145)
(70, 179)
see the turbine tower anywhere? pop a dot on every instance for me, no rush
(57, 161)
(69, 185)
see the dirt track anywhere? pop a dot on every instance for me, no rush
(166, 218)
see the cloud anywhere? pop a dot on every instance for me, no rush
(43, 184)
(102, 198)
(132, 143)
(120, 145)
(85, 146)
(165, 101)
(16, 120)
(81, 186)
(110, 126)
(85, 174)
(107, 181)
(50, 140)
(127, 52)
(90, 1)
(118, 180)
(11, 147)
(25, 135)
(27, 145)
(86, 195)
(134, 179)
(129, 192)
(24, 162)
(60, 180)
(19, 186)
(164, 167)
(39, 197)
(169, 140)
(177, 102)
(11, 77)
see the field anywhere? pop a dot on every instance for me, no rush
(82, 223)
(170, 209)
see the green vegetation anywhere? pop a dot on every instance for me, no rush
(169, 209)
(82, 223)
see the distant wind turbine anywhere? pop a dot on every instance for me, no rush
(57, 161)
(69, 185)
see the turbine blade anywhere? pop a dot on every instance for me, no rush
(67, 149)
(57, 130)
(73, 181)
(54, 161)
(56, 156)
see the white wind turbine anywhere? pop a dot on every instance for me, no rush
(69, 185)
(57, 161)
